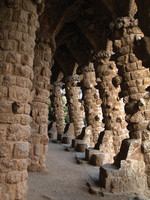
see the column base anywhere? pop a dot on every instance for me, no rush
(128, 178)
(59, 137)
(128, 171)
(100, 159)
(36, 168)
(79, 145)
(66, 139)
(89, 153)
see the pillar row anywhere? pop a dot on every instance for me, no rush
(133, 158)
(76, 110)
(41, 101)
(58, 109)
(112, 106)
(91, 102)
(17, 39)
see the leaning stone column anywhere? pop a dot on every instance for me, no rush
(76, 111)
(58, 109)
(132, 163)
(41, 85)
(110, 139)
(91, 102)
(17, 39)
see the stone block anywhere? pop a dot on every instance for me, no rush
(43, 129)
(14, 34)
(21, 190)
(13, 58)
(19, 94)
(138, 74)
(3, 92)
(27, 109)
(8, 45)
(81, 146)
(9, 118)
(124, 50)
(17, 132)
(89, 152)
(66, 139)
(3, 132)
(3, 34)
(8, 164)
(131, 67)
(2, 56)
(9, 25)
(24, 175)
(5, 106)
(25, 119)
(31, 32)
(146, 147)
(24, 82)
(20, 16)
(101, 159)
(27, 60)
(22, 27)
(9, 80)
(44, 139)
(21, 150)
(7, 191)
(17, 108)
(24, 70)
(42, 120)
(23, 47)
(27, 6)
(6, 68)
(38, 149)
(13, 177)
(132, 58)
(6, 149)
(22, 164)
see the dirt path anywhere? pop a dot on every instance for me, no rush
(64, 179)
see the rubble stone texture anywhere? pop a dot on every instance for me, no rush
(18, 21)
(76, 110)
(110, 139)
(131, 170)
(41, 101)
(91, 102)
(58, 109)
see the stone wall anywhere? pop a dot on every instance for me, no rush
(58, 109)
(112, 106)
(19, 21)
(41, 101)
(76, 110)
(133, 158)
(91, 102)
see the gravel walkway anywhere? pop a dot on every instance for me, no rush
(64, 179)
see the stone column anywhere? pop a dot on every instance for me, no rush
(19, 21)
(76, 110)
(91, 102)
(41, 101)
(108, 80)
(132, 163)
(58, 109)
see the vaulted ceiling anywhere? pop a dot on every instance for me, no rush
(80, 27)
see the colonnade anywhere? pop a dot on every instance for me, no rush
(114, 107)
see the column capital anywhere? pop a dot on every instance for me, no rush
(58, 84)
(46, 38)
(102, 54)
(123, 22)
(88, 68)
(73, 79)
(13, 3)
